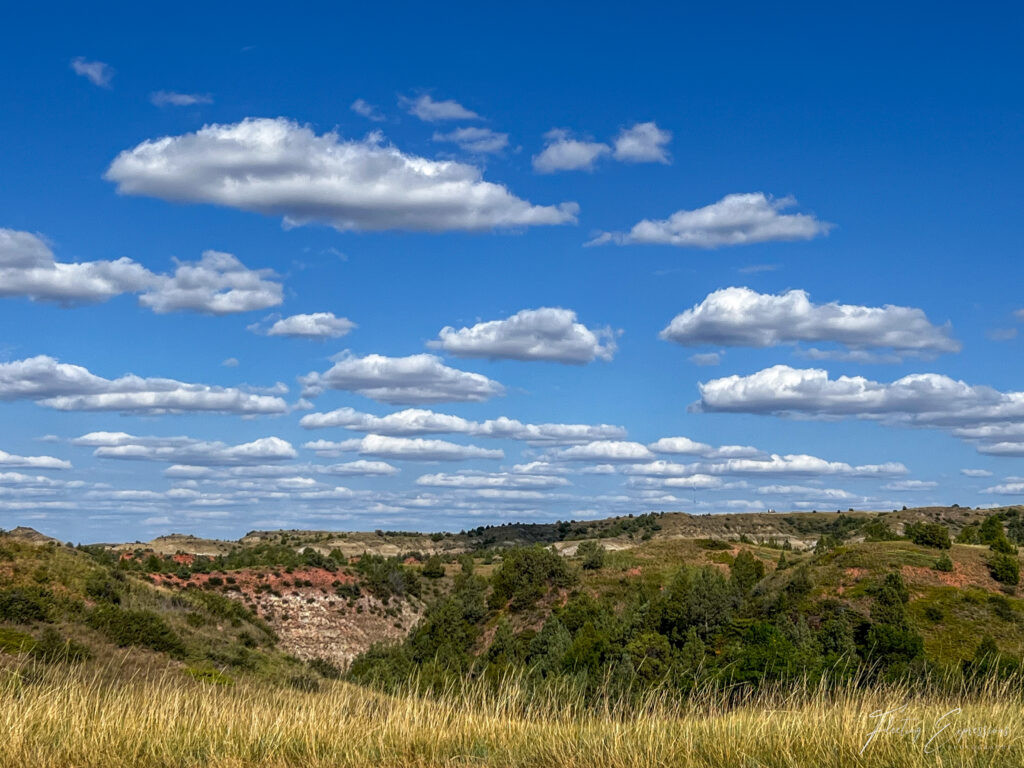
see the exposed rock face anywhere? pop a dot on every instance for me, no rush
(327, 627)
(307, 612)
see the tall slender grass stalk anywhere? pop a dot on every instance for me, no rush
(63, 716)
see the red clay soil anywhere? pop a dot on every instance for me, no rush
(248, 580)
(962, 575)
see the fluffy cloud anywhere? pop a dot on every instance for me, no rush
(919, 399)
(418, 421)
(218, 284)
(96, 72)
(685, 445)
(743, 317)
(175, 99)
(478, 480)
(426, 109)
(562, 152)
(365, 109)
(316, 325)
(408, 448)
(911, 485)
(28, 268)
(643, 143)
(774, 464)
(360, 467)
(680, 445)
(68, 387)
(1005, 489)
(606, 450)
(981, 414)
(403, 380)
(738, 219)
(478, 141)
(818, 494)
(975, 473)
(549, 334)
(33, 462)
(280, 168)
(185, 450)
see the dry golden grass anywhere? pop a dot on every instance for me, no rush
(63, 717)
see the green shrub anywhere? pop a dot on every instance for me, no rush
(51, 648)
(878, 530)
(325, 668)
(13, 641)
(933, 613)
(944, 563)
(1005, 569)
(433, 568)
(1001, 607)
(929, 535)
(745, 571)
(102, 588)
(968, 534)
(209, 675)
(142, 628)
(592, 555)
(526, 574)
(26, 605)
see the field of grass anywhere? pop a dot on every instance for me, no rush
(62, 716)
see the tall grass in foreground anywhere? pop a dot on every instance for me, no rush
(61, 716)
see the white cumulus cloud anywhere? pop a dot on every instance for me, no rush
(643, 143)
(563, 152)
(744, 317)
(606, 451)
(403, 380)
(316, 325)
(185, 450)
(549, 334)
(32, 462)
(280, 168)
(218, 284)
(478, 480)
(737, 219)
(69, 387)
(421, 449)
(991, 418)
(419, 421)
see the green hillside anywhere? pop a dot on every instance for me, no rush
(656, 599)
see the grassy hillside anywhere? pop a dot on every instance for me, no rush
(661, 639)
(301, 605)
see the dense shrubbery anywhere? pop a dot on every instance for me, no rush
(142, 628)
(591, 555)
(929, 535)
(25, 605)
(525, 576)
(387, 577)
(701, 625)
(51, 647)
(1004, 568)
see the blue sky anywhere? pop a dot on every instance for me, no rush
(544, 245)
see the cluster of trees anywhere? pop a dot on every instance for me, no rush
(703, 624)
